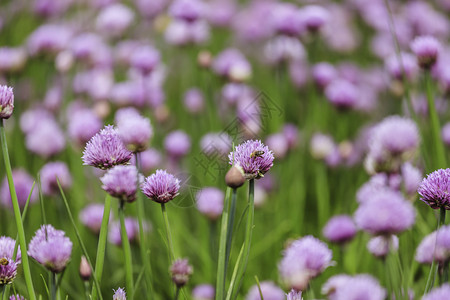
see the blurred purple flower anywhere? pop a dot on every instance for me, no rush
(131, 227)
(119, 294)
(381, 246)
(180, 270)
(83, 125)
(49, 38)
(294, 295)
(342, 94)
(438, 293)
(22, 183)
(135, 132)
(427, 49)
(46, 139)
(12, 59)
(106, 149)
(360, 287)
(194, 101)
(210, 202)
(91, 216)
(279, 144)
(187, 10)
(51, 248)
(203, 292)
(16, 297)
(268, 290)
(7, 245)
(407, 66)
(340, 229)
(52, 171)
(323, 73)
(145, 59)
(121, 182)
(303, 260)
(177, 144)
(114, 19)
(314, 17)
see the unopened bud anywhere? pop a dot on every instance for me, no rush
(235, 177)
(204, 59)
(181, 271)
(85, 269)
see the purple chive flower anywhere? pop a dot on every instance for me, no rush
(119, 294)
(193, 101)
(7, 245)
(321, 145)
(177, 144)
(203, 292)
(49, 38)
(340, 229)
(210, 202)
(291, 133)
(145, 59)
(294, 295)
(216, 143)
(342, 93)
(284, 49)
(8, 271)
(427, 49)
(430, 249)
(51, 248)
(91, 217)
(381, 246)
(180, 271)
(375, 184)
(114, 19)
(135, 133)
(49, 175)
(385, 213)
(83, 125)
(285, 19)
(16, 297)
(412, 178)
(121, 182)
(278, 143)
(314, 17)
(12, 59)
(445, 133)
(324, 73)
(303, 260)
(330, 287)
(22, 183)
(253, 157)
(435, 189)
(161, 186)
(181, 33)
(269, 291)
(46, 139)
(106, 149)
(6, 101)
(438, 293)
(149, 160)
(360, 287)
(187, 10)
(407, 67)
(131, 227)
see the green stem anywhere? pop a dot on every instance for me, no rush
(177, 293)
(142, 237)
(221, 264)
(436, 128)
(101, 248)
(323, 201)
(168, 234)
(17, 216)
(248, 235)
(126, 252)
(232, 214)
(434, 265)
(53, 285)
(86, 290)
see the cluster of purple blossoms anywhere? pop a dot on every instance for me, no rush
(135, 131)
(439, 293)
(6, 101)
(194, 101)
(381, 246)
(177, 144)
(131, 228)
(7, 245)
(393, 141)
(52, 172)
(51, 248)
(121, 182)
(203, 292)
(17, 297)
(180, 271)
(106, 149)
(435, 246)
(83, 125)
(342, 94)
(23, 183)
(303, 260)
(119, 294)
(385, 213)
(435, 189)
(344, 287)
(161, 186)
(427, 49)
(340, 229)
(268, 290)
(294, 295)
(210, 202)
(253, 157)
(46, 139)
(8, 270)
(91, 216)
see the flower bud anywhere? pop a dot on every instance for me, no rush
(85, 269)
(180, 272)
(235, 177)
